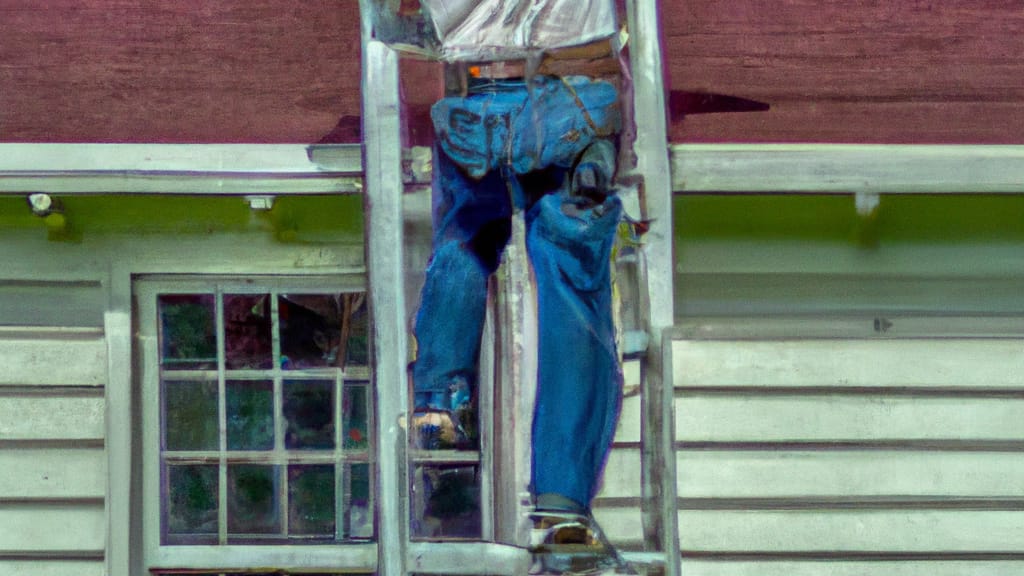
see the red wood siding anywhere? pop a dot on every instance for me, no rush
(885, 71)
(286, 71)
(178, 70)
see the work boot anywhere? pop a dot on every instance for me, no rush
(571, 543)
(445, 420)
(437, 430)
(562, 528)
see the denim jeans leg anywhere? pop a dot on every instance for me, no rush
(471, 228)
(579, 377)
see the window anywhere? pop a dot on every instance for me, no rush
(257, 424)
(275, 573)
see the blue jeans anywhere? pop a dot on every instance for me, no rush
(511, 145)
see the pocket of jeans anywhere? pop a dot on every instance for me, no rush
(460, 130)
(572, 113)
(601, 101)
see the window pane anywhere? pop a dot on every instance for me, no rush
(247, 338)
(253, 499)
(356, 417)
(250, 415)
(357, 342)
(446, 502)
(190, 415)
(310, 330)
(360, 510)
(465, 402)
(311, 500)
(309, 414)
(188, 332)
(192, 499)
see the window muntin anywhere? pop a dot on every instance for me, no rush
(264, 416)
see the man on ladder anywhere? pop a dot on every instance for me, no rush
(531, 124)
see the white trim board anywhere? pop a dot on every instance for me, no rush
(236, 169)
(180, 168)
(194, 158)
(847, 169)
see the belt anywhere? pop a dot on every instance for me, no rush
(502, 69)
(595, 58)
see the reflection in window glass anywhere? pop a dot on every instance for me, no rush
(310, 330)
(192, 502)
(356, 410)
(188, 332)
(252, 499)
(190, 415)
(357, 336)
(323, 330)
(468, 416)
(250, 415)
(309, 414)
(446, 502)
(247, 332)
(311, 500)
(359, 512)
(268, 441)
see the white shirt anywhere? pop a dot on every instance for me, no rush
(478, 30)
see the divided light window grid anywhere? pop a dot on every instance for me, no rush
(265, 416)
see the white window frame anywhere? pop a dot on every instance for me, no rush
(329, 558)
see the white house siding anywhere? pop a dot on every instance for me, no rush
(46, 303)
(895, 456)
(617, 504)
(54, 480)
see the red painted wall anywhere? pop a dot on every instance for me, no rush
(288, 71)
(888, 71)
(178, 70)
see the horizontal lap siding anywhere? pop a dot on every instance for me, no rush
(75, 359)
(848, 474)
(828, 456)
(835, 532)
(58, 418)
(34, 303)
(846, 418)
(760, 289)
(52, 567)
(723, 477)
(620, 484)
(894, 531)
(52, 529)
(959, 363)
(53, 473)
(855, 568)
(52, 419)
